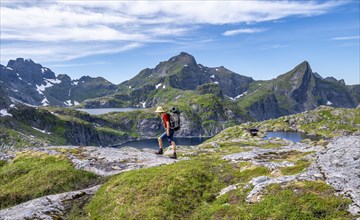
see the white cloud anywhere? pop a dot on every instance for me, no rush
(54, 30)
(346, 38)
(243, 31)
(61, 51)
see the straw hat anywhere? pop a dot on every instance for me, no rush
(159, 109)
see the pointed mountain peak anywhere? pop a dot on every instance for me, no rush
(305, 66)
(183, 59)
(302, 69)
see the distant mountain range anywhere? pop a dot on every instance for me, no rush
(211, 99)
(298, 90)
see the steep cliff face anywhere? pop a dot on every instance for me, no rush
(355, 89)
(266, 108)
(5, 101)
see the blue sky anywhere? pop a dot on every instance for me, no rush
(117, 39)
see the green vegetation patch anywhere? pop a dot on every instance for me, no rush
(172, 191)
(168, 192)
(32, 175)
(299, 167)
(298, 200)
(2, 163)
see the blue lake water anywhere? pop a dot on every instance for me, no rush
(99, 111)
(292, 136)
(153, 143)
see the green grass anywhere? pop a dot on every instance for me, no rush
(32, 174)
(167, 192)
(298, 200)
(2, 163)
(171, 191)
(299, 167)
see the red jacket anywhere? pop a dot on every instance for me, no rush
(165, 117)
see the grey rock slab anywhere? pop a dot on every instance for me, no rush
(47, 207)
(110, 161)
(340, 164)
(257, 153)
(227, 189)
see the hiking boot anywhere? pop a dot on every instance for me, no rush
(160, 152)
(174, 156)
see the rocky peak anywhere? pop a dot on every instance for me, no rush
(30, 71)
(96, 80)
(183, 59)
(64, 77)
(333, 79)
(302, 69)
(175, 64)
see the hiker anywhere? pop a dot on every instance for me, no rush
(168, 134)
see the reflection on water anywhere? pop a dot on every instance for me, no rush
(153, 142)
(99, 111)
(292, 136)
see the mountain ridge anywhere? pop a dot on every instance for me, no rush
(297, 90)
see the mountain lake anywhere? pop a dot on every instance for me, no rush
(100, 111)
(152, 143)
(291, 136)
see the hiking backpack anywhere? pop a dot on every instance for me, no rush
(175, 118)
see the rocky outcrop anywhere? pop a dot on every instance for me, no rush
(210, 89)
(338, 164)
(47, 207)
(106, 161)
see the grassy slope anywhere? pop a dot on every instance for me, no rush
(171, 192)
(32, 174)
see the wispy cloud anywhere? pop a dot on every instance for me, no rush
(243, 31)
(62, 30)
(346, 38)
(278, 46)
(80, 64)
(61, 51)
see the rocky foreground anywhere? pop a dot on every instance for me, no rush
(337, 162)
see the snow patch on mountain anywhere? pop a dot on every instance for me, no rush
(4, 112)
(237, 97)
(42, 131)
(158, 85)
